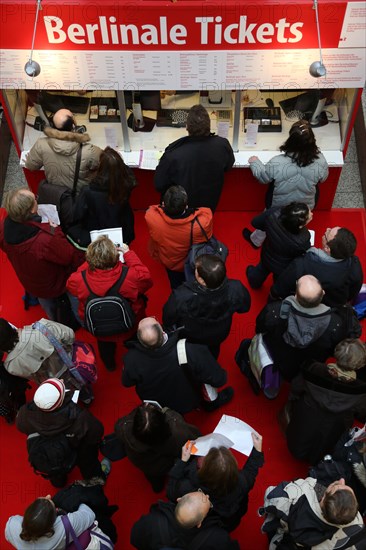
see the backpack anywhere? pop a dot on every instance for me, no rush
(85, 367)
(109, 314)
(50, 456)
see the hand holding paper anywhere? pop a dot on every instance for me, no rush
(187, 451)
(257, 441)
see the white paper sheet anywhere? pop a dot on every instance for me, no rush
(48, 213)
(111, 137)
(150, 159)
(238, 431)
(206, 442)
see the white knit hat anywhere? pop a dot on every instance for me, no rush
(50, 394)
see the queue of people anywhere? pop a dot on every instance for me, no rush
(174, 366)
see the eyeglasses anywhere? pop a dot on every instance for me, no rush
(199, 490)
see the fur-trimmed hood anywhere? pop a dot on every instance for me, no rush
(360, 472)
(66, 136)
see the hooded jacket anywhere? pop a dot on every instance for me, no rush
(170, 238)
(183, 479)
(157, 375)
(43, 247)
(155, 460)
(294, 334)
(323, 407)
(205, 313)
(197, 163)
(291, 181)
(34, 351)
(340, 279)
(57, 153)
(159, 529)
(294, 507)
(280, 246)
(78, 424)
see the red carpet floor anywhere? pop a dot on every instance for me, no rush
(126, 486)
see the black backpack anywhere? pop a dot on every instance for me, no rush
(50, 456)
(109, 314)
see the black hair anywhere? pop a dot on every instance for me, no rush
(301, 145)
(212, 270)
(294, 216)
(175, 200)
(8, 336)
(343, 245)
(150, 425)
(198, 121)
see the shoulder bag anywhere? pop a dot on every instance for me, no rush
(82, 365)
(208, 246)
(91, 539)
(61, 196)
(261, 364)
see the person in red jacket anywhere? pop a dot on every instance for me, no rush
(103, 269)
(40, 254)
(171, 226)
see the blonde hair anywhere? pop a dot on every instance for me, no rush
(102, 254)
(350, 354)
(19, 204)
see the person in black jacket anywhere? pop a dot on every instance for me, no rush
(188, 524)
(324, 401)
(302, 328)
(53, 412)
(153, 365)
(152, 439)
(219, 477)
(197, 162)
(286, 238)
(205, 306)
(335, 265)
(104, 203)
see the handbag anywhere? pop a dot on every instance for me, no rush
(112, 447)
(61, 196)
(261, 364)
(209, 246)
(91, 539)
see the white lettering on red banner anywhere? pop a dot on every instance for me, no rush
(211, 30)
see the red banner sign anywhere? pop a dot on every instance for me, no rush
(189, 25)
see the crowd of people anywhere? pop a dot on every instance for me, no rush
(308, 329)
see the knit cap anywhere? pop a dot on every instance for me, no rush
(50, 394)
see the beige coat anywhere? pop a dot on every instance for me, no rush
(34, 352)
(57, 154)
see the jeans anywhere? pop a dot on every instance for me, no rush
(49, 307)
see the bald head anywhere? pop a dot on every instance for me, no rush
(309, 292)
(63, 119)
(150, 333)
(21, 205)
(192, 509)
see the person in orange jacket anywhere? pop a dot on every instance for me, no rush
(170, 226)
